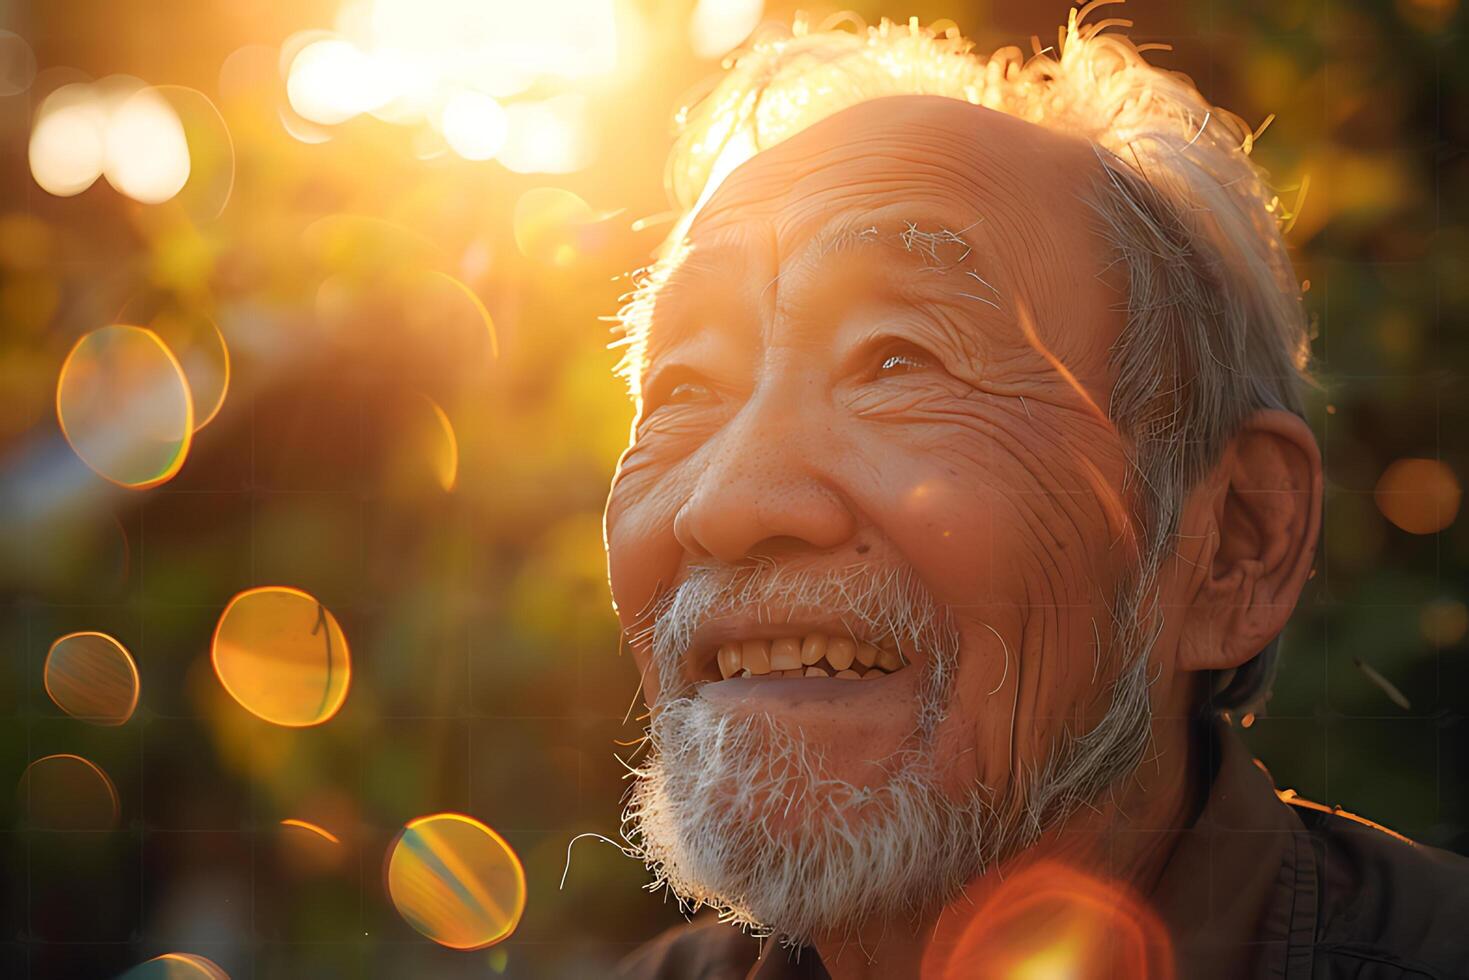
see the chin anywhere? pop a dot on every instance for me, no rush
(734, 811)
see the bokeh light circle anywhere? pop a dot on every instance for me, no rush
(425, 442)
(1420, 496)
(92, 677)
(145, 152)
(548, 223)
(177, 966)
(716, 26)
(125, 407)
(281, 654)
(1444, 622)
(331, 80)
(456, 881)
(474, 125)
(67, 792)
(17, 64)
(200, 347)
(551, 136)
(68, 140)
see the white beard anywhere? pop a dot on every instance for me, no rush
(708, 810)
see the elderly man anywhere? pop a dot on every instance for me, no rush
(968, 491)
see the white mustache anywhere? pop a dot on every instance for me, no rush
(884, 599)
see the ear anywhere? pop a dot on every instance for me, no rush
(1254, 521)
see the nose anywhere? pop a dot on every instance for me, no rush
(764, 491)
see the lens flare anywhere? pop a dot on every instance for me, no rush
(280, 653)
(1421, 496)
(177, 966)
(66, 792)
(1051, 921)
(456, 881)
(125, 407)
(92, 677)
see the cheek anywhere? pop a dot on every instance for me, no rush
(643, 556)
(633, 565)
(1025, 550)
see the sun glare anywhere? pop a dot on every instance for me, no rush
(448, 67)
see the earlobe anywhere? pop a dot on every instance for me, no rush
(1258, 514)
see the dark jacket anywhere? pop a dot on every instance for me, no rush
(1262, 885)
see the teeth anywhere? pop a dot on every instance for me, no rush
(757, 656)
(785, 654)
(816, 655)
(729, 660)
(840, 652)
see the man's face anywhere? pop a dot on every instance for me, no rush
(873, 431)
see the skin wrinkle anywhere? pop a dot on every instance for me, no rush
(795, 459)
(673, 322)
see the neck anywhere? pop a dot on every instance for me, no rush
(1105, 856)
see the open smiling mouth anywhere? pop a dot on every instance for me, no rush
(813, 654)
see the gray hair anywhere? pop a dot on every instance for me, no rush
(1215, 328)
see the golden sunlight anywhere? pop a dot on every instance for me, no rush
(447, 67)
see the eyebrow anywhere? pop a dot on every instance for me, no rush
(939, 248)
(943, 250)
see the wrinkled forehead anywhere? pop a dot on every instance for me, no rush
(1017, 187)
(1005, 199)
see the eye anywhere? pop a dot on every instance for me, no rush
(903, 358)
(897, 363)
(685, 392)
(680, 389)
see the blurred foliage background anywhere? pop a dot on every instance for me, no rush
(487, 677)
